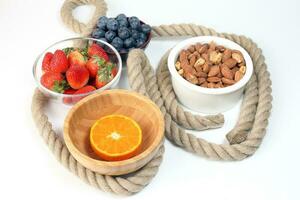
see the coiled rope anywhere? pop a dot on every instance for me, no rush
(244, 139)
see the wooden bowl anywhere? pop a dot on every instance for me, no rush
(83, 115)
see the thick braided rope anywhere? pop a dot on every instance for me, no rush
(74, 24)
(251, 127)
(121, 185)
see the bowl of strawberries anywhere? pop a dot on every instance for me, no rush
(73, 68)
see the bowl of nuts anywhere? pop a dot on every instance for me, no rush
(209, 73)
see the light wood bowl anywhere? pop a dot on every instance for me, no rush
(83, 115)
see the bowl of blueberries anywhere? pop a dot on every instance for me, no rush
(122, 32)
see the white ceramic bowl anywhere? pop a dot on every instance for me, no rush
(207, 100)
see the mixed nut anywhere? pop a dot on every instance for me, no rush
(211, 65)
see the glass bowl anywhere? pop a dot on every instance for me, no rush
(80, 42)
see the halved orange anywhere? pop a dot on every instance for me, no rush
(115, 137)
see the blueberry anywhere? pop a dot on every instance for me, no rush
(135, 24)
(98, 33)
(135, 34)
(112, 24)
(121, 17)
(130, 19)
(110, 35)
(102, 22)
(124, 33)
(139, 42)
(123, 23)
(101, 25)
(103, 19)
(143, 36)
(117, 43)
(129, 42)
(146, 28)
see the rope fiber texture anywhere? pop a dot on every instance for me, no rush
(244, 139)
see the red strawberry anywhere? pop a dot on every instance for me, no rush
(83, 90)
(52, 80)
(98, 83)
(105, 74)
(77, 76)
(94, 64)
(46, 61)
(114, 71)
(68, 100)
(75, 57)
(95, 49)
(59, 63)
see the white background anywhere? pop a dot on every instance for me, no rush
(28, 170)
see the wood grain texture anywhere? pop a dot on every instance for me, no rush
(83, 115)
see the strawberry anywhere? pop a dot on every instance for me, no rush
(75, 57)
(59, 62)
(46, 62)
(54, 81)
(68, 100)
(77, 76)
(99, 83)
(114, 71)
(105, 74)
(69, 91)
(95, 49)
(94, 64)
(83, 90)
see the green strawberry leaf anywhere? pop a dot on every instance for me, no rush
(68, 50)
(60, 86)
(97, 60)
(84, 52)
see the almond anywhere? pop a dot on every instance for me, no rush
(238, 76)
(201, 80)
(203, 48)
(213, 79)
(230, 63)
(188, 69)
(220, 48)
(205, 56)
(183, 57)
(191, 78)
(205, 68)
(204, 84)
(192, 60)
(192, 49)
(226, 72)
(197, 54)
(243, 69)
(212, 47)
(198, 46)
(201, 74)
(214, 70)
(235, 69)
(228, 81)
(226, 55)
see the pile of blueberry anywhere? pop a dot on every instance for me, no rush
(122, 32)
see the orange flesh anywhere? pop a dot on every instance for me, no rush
(115, 137)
